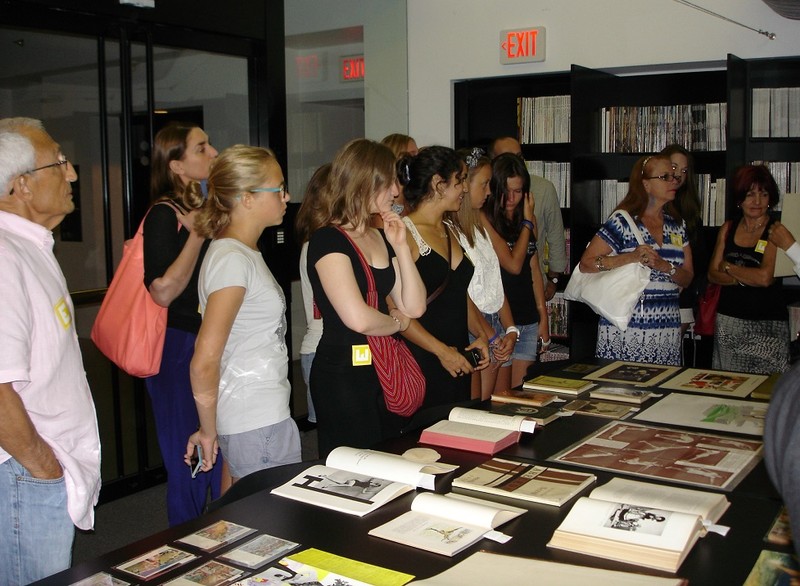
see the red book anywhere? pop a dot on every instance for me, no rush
(469, 437)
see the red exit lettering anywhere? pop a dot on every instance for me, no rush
(520, 44)
(307, 66)
(353, 68)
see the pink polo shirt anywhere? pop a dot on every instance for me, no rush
(42, 359)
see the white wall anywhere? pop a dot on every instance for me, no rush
(450, 40)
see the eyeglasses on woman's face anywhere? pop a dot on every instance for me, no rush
(666, 177)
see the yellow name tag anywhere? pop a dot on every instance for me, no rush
(361, 355)
(676, 240)
(63, 314)
(761, 246)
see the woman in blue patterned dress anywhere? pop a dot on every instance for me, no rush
(653, 334)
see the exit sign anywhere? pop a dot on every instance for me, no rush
(523, 45)
(352, 68)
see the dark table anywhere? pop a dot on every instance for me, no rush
(714, 560)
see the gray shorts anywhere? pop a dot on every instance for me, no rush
(273, 445)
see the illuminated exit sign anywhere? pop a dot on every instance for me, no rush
(523, 45)
(352, 68)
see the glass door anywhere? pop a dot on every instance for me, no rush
(103, 99)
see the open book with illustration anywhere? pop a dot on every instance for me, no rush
(527, 482)
(477, 431)
(447, 524)
(357, 481)
(640, 523)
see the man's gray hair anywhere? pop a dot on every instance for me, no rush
(17, 155)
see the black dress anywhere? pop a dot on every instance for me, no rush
(445, 319)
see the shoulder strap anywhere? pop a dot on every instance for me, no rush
(372, 292)
(634, 228)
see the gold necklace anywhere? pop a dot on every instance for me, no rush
(754, 228)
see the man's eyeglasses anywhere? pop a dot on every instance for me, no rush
(281, 190)
(58, 163)
(666, 177)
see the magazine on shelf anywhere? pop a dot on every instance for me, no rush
(358, 481)
(715, 382)
(211, 573)
(712, 413)
(258, 551)
(633, 373)
(674, 455)
(527, 482)
(447, 524)
(485, 567)
(216, 535)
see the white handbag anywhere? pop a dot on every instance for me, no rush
(615, 293)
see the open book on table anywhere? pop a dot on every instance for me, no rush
(477, 431)
(447, 524)
(639, 523)
(357, 481)
(527, 482)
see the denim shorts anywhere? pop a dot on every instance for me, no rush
(273, 445)
(525, 348)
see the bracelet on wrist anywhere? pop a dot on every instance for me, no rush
(598, 262)
(512, 330)
(527, 224)
(493, 339)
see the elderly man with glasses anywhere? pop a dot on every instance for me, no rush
(49, 443)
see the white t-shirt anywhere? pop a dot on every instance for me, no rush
(254, 389)
(486, 286)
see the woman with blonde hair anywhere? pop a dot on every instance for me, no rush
(173, 251)
(347, 393)
(240, 367)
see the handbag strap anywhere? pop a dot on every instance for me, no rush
(372, 291)
(634, 228)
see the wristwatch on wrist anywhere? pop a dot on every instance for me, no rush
(672, 270)
(553, 280)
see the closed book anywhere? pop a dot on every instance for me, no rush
(469, 437)
(522, 397)
(554, 384)
(527, 482)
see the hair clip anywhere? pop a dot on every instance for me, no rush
(644, 164)
(474, 156)
(405, 173)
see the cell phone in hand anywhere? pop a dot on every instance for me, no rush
(197, 460)
(473, 356)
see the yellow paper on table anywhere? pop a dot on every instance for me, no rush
(353, 569)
